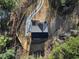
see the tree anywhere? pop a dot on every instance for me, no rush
(67, 50)
(8, 4)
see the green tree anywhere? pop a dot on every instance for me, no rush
(5, 52)
(8, 4)
(67, 50)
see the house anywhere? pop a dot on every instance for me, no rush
(39, 32)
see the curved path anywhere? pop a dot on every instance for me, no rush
(28, 25)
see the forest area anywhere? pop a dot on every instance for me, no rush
(39, 29)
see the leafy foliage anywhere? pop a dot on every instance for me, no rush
(4, 40)
(63, 7)
(8, 4)
(5, 53)
(67, 50)
(8, 54)
(63, 2)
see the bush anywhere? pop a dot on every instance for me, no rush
(9, 54)
(4, 40)
(8, 4)
(5, 52)
(67, 50)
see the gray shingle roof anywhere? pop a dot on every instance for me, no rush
(40, 27)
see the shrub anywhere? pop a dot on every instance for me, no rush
(67, 50)
(4, 40)
(9, 54)
(5, 52)
(8, 4)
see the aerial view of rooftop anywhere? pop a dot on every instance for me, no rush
(39, 29)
